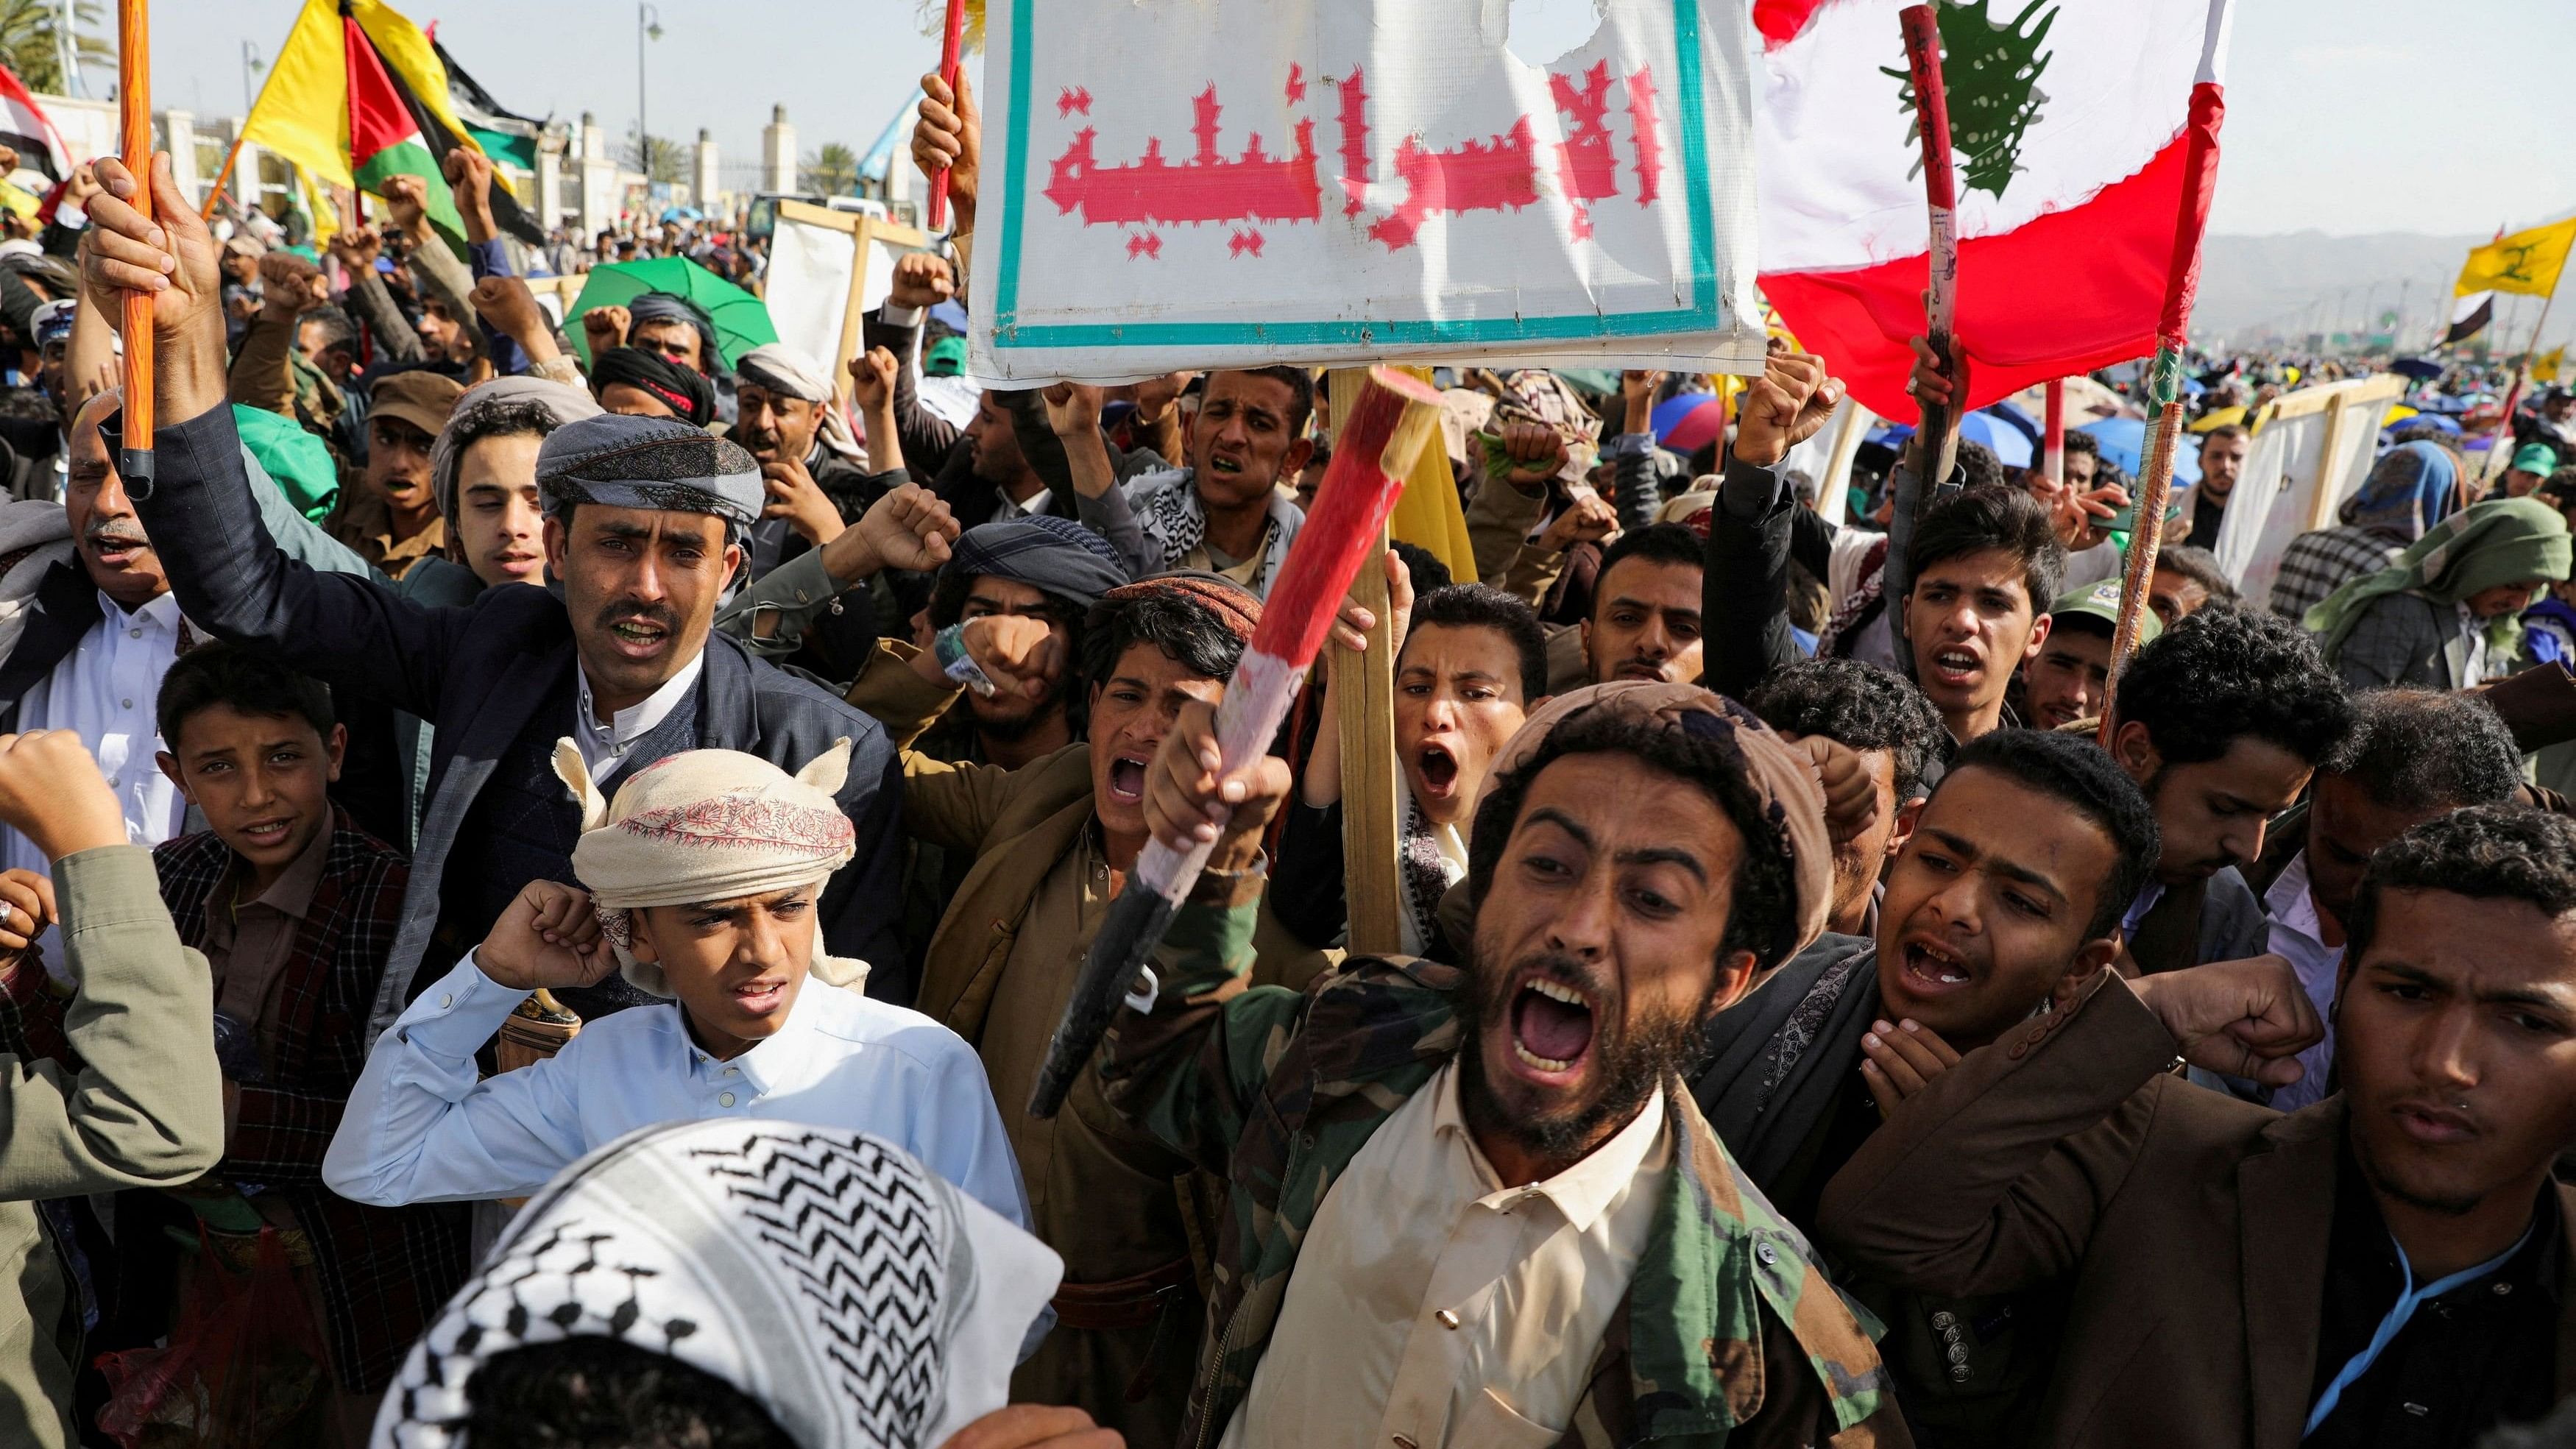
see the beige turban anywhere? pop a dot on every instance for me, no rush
(709, 825)
(1781, 776)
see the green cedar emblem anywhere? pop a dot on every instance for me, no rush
(1990, 69)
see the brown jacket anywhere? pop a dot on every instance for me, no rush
(1120, 1207)
(2192, 1227)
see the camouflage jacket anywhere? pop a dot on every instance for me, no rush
(1276, 1091)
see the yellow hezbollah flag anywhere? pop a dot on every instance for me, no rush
(2527, 262)
(303, 109)
(2544, 368)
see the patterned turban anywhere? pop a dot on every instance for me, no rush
(1235, 607)
(708, 825)
(629, 462)
(1052, 555)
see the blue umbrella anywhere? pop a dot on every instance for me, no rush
(2124, 442)
(2431, 420)
(2422, 369)
(682, 213)
(2031, 427)
(2010, 445)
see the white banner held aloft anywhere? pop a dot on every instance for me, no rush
(814, 298)
(1195, 183)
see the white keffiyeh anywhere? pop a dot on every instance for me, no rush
(860, 1300)
(781, 368)
(708, 825)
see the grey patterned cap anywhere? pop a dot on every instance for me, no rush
(634, 462)
(849, 1291)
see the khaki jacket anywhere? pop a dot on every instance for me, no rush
(1120, 1207)
(145, 1110)
(2191, 1226)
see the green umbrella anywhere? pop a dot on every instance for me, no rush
(742, 320)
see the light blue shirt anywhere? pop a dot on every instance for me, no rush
(421, 1126)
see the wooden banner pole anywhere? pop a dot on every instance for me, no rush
(1940, 425)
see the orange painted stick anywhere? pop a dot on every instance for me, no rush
(134, 101)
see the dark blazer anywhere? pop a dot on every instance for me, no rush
(2191, 1227)
(478, 674)
(1744, 591)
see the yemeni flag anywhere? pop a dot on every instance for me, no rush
(384, 139)
(2078, 130)
(27, 130)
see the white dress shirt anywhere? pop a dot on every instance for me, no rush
(1433, 1306)
(422, 1126)
(1008, 508)
(105, 691)
(603, 746)
(2298, 934)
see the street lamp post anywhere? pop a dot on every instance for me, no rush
(648, 26)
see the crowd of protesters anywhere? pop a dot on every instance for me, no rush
(557, 865)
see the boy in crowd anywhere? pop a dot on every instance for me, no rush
(2386, 1267)
(2004, 903)
(2070, 678)
(699, 888)
(294, 908)
(1985, 563)
(1901, 744)
(2220, 721)
(1471, 662)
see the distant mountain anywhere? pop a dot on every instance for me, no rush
(2252, 287)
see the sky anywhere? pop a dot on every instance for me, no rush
(2345, 116)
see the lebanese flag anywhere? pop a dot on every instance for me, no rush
(2086, 142)
(27, 130)
(384, 138)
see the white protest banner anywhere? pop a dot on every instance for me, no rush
(2313, 451)
(1195, 183)
(816, 288)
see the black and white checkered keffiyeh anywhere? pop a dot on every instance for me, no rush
(857, 1297)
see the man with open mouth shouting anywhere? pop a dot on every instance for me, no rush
(2387, 1266)
(1052, 843)
(1986, 566)
(1470, 663)
(1226, 513)
(2005, 899)
(1475, 1206)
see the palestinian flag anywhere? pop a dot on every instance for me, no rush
(2078, 128)
(504, 135)
(384, 138)
(356, 78)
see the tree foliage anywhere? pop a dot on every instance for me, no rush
(832, 171)
(660, 159)
(30, 40)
